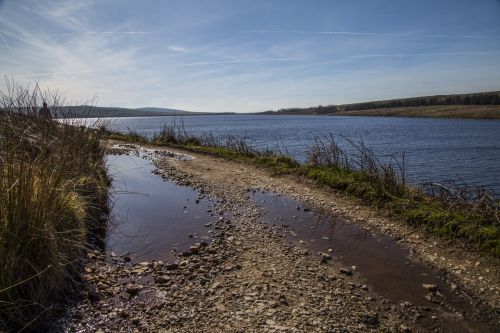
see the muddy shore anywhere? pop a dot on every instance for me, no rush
(249, 278)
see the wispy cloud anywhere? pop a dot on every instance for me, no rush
(4, 41)
(176, 48)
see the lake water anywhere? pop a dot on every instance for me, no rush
(435, 149)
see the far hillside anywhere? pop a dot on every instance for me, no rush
(484, 105)
(86, 111)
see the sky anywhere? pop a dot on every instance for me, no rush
(252, 55)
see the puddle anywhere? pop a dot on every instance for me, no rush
(150, 216)
(378, 258)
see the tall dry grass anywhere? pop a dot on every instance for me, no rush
(53, 189)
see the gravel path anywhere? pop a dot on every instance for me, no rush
(251, 280)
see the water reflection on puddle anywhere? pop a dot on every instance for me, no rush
(150, 216)
(378, 258)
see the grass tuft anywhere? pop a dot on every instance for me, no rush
(53, 189)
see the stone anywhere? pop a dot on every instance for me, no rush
(326, 256)
(370, 320)
(211, 250)
(404, 328)
(123, 313)
(171, 266)
(346, 271)
(270, 322)
(162, 279)
(430, 287)
(133, 289)
(194, 249)
(283, 300)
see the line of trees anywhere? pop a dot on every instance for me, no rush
(486, 98)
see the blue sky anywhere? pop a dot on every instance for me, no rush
(243, 56)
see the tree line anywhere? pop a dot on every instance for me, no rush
(485, 98)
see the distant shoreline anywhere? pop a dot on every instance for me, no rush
(433, 111)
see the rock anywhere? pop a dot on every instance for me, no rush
(430, 287)
(127, 258)
(208, 224)
(346, 271)
(404, 328)
(194, 249)
(431, 297)
(92, 294)
(283, 300)
(171, 266)
(370, 320)
(133, 289)
(270, 322)
(211, 250)
(327, 256)
(162, 279)
(123, 313)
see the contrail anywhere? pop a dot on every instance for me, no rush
(5, 41)
(105, 33)
(240, 61)
(396, 55)
(315, 32)
(356, 33)
(53, 74)
(243, 61)
(115, 32)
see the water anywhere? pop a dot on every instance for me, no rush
(435, 149)
(380, 260)
(150, 216)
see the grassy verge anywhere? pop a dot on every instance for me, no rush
(469, 218)
(53, 190)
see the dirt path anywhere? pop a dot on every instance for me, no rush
(251, 280)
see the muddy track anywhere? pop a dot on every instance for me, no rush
(250, 279)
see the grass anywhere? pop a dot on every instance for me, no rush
(433, 111)
(471, 221)
(53, 191)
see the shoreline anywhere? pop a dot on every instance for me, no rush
(239, 261)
